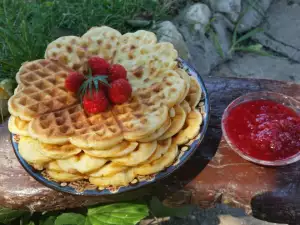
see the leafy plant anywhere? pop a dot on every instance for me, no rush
(126, 213)
(237, 41)
(8, 215)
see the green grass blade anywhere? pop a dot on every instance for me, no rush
(249, 34)
(257, 49)
(239, 21)
(217, 44)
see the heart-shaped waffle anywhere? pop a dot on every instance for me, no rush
(56, 115)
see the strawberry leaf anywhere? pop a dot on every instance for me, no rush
(96, 85)
(102, 79)
(91, 88)
(90, 83)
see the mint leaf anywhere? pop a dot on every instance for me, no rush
(70, 219)
(7, 215)
(159, 210)
(118, 213)
(48, 221)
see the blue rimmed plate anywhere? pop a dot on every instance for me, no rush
(183, 157)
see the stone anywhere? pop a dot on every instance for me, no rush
(167, 32)
(232, 8)
(197, 16)
(221, 26)
(208, 49)
(264, 67)
(281, 29)
(255, 13)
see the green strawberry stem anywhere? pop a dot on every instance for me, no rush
(92, 82)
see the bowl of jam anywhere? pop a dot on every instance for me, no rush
(264, 128)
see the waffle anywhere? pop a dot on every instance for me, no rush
(108, 170)
(59, 151)
(119, 150)
(100, 41)
(81, 163)
(177, 122)
(159, 164)
(29, 150)
(66, 50)
(161, 149)
(186, 107)
(187, 80)
(18, 126)
(156, 134)
(134, 120)
(194, 94)
(140, 155)
(191, 129)
(122, 178)
(61, 176)
(44, 90)
(121, 145)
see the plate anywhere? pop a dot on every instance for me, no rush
(182, 158)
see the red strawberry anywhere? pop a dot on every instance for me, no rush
(74, 81)
(99, 66)
(95, 103)
(120, 91)
(117, 71)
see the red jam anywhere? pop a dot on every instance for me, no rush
(264, 129)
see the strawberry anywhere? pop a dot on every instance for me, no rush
(74, 81)
(117, 71)
(99, 66)
(95, 103)
(120, 91)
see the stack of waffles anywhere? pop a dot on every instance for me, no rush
(110, 149)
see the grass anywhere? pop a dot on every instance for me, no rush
(27, 26)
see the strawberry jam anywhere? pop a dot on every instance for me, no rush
(264, 129)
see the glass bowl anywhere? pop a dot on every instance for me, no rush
(263, 95)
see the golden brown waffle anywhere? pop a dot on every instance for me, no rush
(100, 41)
(194, 95)
(18, 126)
(43, 90)
(191, 128)
(136, 119)
(177, 123)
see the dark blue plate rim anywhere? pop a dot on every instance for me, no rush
(159, 176)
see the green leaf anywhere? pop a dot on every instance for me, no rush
(239, 21)
(102, 79)
(7, 215)
(257, 49)
(48, 221)
(118, 213)
(70, 219)
(249, 34)
(217, 44)
(159, 210)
